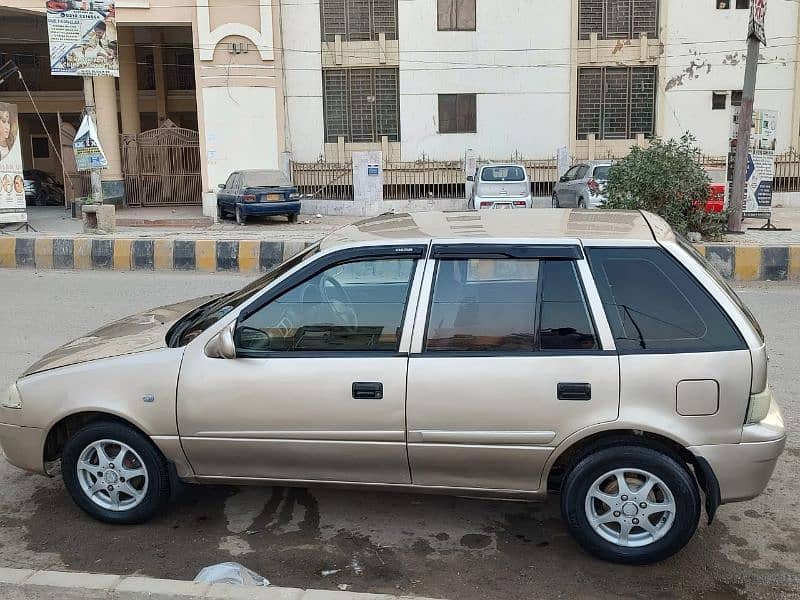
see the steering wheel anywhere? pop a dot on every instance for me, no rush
(339, 301)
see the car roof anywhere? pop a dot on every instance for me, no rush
(531, 224)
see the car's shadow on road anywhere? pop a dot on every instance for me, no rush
(435, 546)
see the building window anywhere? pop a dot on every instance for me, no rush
(616, 103)
(457, 113)
(739, 4)
(617, 19)
(358, 20)
(361, 105)
(736, 98)
(719, 101)
(40, 148)
(456, 15)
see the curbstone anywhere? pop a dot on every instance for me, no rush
(102, 254)
(249, 255)
(184, 257)
(43, 253)
(775, 263)
(794, 262)
(222, 591)
(122, 260)
(331, 595)
(8, 258)
(14, 576)
(205, 255)
(723, 259)
(133, 588)
(82, 253)
(271, 255)
(747, 264)
(24, 252)
(292, 248)
(143, 255)
(63, 254)
(163, 255)
(227, 256)
(87, 581)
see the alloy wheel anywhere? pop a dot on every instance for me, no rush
(112, 475)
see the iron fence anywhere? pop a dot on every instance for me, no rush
(787, 172)
(330, 181)
(423, 179)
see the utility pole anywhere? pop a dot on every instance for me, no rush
(755, 38)
(94, 174)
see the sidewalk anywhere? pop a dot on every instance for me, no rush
(24, 584)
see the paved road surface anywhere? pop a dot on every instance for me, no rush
(379, 542)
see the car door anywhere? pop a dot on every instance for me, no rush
(225, 196)
(578, 190)
(508, 361)
(564, 190)
(317, 389)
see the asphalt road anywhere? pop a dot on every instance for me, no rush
(378, 542)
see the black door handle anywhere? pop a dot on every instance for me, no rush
(367, 390)
(575, 391)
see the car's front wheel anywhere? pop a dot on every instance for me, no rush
(631, 504)
(293, 218)
(220, 213)
(114, 473)
(556, 204)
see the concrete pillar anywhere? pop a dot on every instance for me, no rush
(158, 70)
(128, 82)
(105, 98)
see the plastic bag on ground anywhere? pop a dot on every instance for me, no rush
(231, 572)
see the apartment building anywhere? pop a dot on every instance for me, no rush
(260, 83)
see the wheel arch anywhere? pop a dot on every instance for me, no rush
(570, 452)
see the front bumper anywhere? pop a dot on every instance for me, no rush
(255, 209)
(23, 446)
(743, 470)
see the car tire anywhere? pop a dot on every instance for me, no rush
(220, 213)
(555, 201)
(293, 218)
(598, 473)
(581, 203)
(240, 217)
(148, 474)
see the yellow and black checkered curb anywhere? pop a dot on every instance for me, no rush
(107, 254)
(739, 263)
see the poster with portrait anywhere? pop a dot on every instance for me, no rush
(83, 38)
(12, 185)
(760, 172)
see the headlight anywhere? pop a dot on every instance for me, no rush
(12, 399)
(759, 406)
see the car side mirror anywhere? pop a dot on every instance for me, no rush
(470, 178)
(220, 186)
(563, 179)
(222, 344)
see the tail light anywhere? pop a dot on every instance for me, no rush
(520, 203)
(486, 205)
(594, 187)
(249, 198)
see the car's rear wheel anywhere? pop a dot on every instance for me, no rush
(555, 201)
(240, 216)
(114, 473)
(631, 504)
(581, 203)
(293, 218)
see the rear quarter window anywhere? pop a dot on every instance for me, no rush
(655, 305)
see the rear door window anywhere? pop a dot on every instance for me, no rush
(655, 305)
(601, 172)
(508, 306)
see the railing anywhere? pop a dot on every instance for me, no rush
(432, 179)
(423, 179)
(328, 181)
(76, 185)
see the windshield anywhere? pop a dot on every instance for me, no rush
(200, 319)
(498, 174)
(601, 172)
(266, 179)
(723, 284)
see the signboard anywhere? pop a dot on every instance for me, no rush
(760, 172)
(373, 170)
(83, 38)
(758, 12)
(88, 152)
(12, 184)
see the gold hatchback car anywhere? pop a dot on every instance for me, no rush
(510, 354)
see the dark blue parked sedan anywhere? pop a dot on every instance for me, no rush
(258, 193)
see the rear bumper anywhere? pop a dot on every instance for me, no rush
(743, 470)
(502, 200)
(23, 446)
(256, 209)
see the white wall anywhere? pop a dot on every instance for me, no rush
(520, 106)
(302, 41)
(240, 129)
(718, 37)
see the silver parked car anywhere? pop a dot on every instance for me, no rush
(509, 354)
(501, 186)
(583, 185)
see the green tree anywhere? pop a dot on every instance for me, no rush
(666, 178)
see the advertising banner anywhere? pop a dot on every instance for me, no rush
(88, 152)
(12, 184)
(83, 38)
(760, 161)
(758, 12)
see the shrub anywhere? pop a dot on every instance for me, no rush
(666, 178)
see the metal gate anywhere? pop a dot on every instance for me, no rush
(162, 167)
